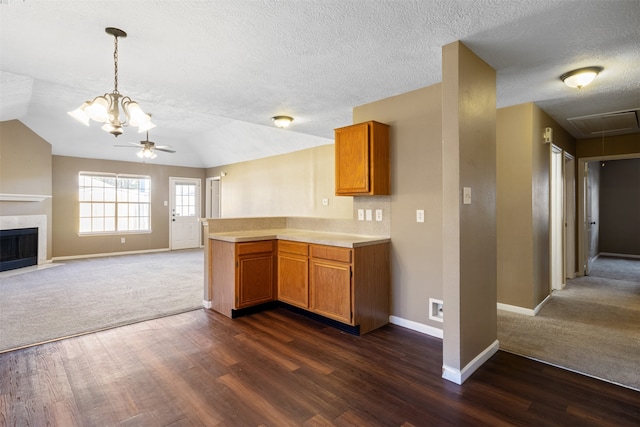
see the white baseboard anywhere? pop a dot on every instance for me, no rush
(618, 255)
(460, 376)
(206, 304)
(521, 310)
(415, 326)
(62, 258)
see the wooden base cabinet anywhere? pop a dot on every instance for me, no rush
(351, 286)
(242, 275)
(330, 285)
(293, 273)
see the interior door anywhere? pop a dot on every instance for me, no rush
(185, 213)
(593, 212)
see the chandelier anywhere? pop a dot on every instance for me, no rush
(106, 108)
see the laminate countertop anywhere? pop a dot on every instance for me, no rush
(305, 236)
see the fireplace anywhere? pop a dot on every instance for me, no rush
(18, 248)
(38, 222)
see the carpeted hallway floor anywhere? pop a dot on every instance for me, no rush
(87, 295)
(592, 326)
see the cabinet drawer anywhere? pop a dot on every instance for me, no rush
(254, 247)
(331, 253)
(293, 247)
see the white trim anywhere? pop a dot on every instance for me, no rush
(61, 258)
(618, 255)
(206, 304)
(521, 310)
(8, 197)
(458, 377)
(415, 326)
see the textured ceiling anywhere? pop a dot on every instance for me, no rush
(213, 73)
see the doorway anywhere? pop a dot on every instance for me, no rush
(185, 212)
(213, 199)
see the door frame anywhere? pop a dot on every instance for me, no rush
(557, 219)
(208, 199)
(172, 196)
(583, 253)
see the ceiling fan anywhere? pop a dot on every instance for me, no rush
(148, 148)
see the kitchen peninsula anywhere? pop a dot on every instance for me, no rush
(342, 278)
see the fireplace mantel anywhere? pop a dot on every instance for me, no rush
(8, 197)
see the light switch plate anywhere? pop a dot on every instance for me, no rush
(466, 195)
(360, 214)
(369, 214)
(420, 215)
(325, 202)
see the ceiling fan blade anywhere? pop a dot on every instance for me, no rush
(126, 146)
(137, 144)
(165, 147)
(165, 150)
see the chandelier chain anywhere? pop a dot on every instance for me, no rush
(115, 64)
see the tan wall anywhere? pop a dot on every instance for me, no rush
(469, 231)
(25, 168)
(292, 184)
(416, 183)
(523, 172)
(66, 241)
(514, 205)
(609, 146)
(619, 229)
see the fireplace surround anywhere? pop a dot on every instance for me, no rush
(39, 222)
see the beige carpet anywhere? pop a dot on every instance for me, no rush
(82, 296)
(592, 326)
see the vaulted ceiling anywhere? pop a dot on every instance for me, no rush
(213, 73)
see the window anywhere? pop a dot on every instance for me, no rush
(114, 203)
(185, 199)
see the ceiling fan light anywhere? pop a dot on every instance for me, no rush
(580, 77)
(282, 121)
(140, 153)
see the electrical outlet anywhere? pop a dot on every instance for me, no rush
(122, 240)
(436, 310)
(360, 214)
(325, 202)
(378, 214)
(369, 214)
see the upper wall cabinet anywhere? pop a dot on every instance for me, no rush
(362, 160)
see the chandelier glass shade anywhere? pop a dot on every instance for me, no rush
(107, 108)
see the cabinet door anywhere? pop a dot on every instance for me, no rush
(330, 292)
(352, 159)
(255, 279)
(293, 279)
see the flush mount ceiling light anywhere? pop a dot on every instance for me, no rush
(580, 77)
(106, 108)
(282, 121)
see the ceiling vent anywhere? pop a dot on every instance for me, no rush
(619, 122)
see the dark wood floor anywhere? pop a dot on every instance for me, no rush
(277, 369)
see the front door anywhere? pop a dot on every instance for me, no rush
(185, 213)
